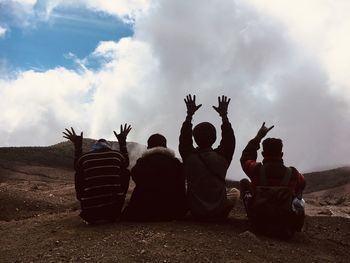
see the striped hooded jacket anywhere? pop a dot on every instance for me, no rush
(101, 182)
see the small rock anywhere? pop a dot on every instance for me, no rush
(35, 187)
(249, 235)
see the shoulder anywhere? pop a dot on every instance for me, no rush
(101, 154)
(295, 173)
(159, 151)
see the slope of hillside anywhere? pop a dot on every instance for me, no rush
(59, 155)
(318, 181)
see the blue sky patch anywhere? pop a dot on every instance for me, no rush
(46, 44)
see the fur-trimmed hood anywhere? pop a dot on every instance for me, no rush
(159, 150)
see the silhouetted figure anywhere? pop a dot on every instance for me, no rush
(101, 177)
(205, 167)
(268, 197)
(160, 192)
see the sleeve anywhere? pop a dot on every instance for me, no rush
(125, 180)
(228, 140)
(136, 171)
(181, 190)
(125, 173)
(78, 151)
(124, 151)
(301, 183)
(249, 156)
(78, 179)
(186, 142)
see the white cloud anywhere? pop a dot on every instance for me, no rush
(129, 9)
(3, 31)
(43, 103)
(223, 47)
(321, 27)
(27, 13)
(35, 105)
(25, 2)
(21, 12)
(106, 49)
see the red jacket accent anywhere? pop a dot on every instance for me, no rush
(275, 169)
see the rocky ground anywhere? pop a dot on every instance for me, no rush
(39, 222)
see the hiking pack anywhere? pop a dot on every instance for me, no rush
(272, 203)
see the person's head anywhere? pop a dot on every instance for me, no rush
(156, 140)
(204, 134)
(101, 144)
(272, 147)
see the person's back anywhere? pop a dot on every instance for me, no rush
(207, 191)
(101, 184)
(159, 192)
(268, 198)
(205, 167)
(101, 178)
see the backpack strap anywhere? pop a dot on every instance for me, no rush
(284, 182)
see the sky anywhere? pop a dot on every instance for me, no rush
(94, 64)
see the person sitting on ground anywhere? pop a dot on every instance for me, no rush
(205, 167)
(160, 192)
(268, 197)
(101, 177)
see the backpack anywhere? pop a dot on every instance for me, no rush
(271, 204)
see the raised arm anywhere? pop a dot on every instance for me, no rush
(121, 137)
(228, 140)
(249, 154)
(186, 142)
(76, 140)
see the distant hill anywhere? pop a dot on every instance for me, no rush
(318, 181)
(60, 155)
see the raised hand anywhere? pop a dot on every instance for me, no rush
(223, 105)
(124, 131)
(263, 131)
(71, 135)
(191, 104)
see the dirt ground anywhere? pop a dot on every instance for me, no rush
(39, 222)
(63, 237)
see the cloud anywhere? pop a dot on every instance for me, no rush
(127, 9)
(320, 27)
(18, 12)
(232, 48)
(3, 31)
(34, 105)
(222, 47)
(27, 13)
(43, 103)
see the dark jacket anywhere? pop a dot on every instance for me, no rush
(275, 169)
(206, 173)
(101, 183)
(160, 192)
